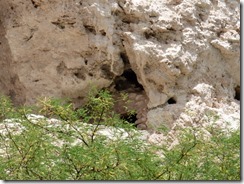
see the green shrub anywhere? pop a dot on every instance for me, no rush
(69, 148)
(197, 157)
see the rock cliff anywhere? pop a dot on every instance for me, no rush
(177, 59)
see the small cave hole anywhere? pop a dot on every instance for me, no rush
(128, 80)
(36, 80)
(86, 62)
(130, 118)
(90, 74)
(171, 101)
(90, 29)
(34, 4)
(237, 93)
(80, 75)
(103, 32)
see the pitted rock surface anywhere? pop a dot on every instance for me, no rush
(185, 53)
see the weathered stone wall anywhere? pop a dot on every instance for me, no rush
(185, 53)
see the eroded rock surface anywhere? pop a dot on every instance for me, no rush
(185, 54)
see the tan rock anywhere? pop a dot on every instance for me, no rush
(142, 126)
(182, 52)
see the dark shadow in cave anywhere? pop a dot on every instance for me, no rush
(130, 118)
(237, 93)
(171, 101)
(127, 80)
(128, 83)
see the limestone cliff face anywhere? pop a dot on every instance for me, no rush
(175, 56)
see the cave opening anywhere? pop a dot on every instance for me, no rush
(128, 80)
(172, 101)
(237, 93)
(136, 100)
(130, 118)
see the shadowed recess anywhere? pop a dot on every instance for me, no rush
(127, 80)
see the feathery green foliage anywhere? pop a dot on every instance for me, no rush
(69, 148)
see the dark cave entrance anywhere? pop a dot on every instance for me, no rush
(172, 101)
(128, 82)
(237, 93)
(130, 118)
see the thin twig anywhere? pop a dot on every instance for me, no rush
(98, 124)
